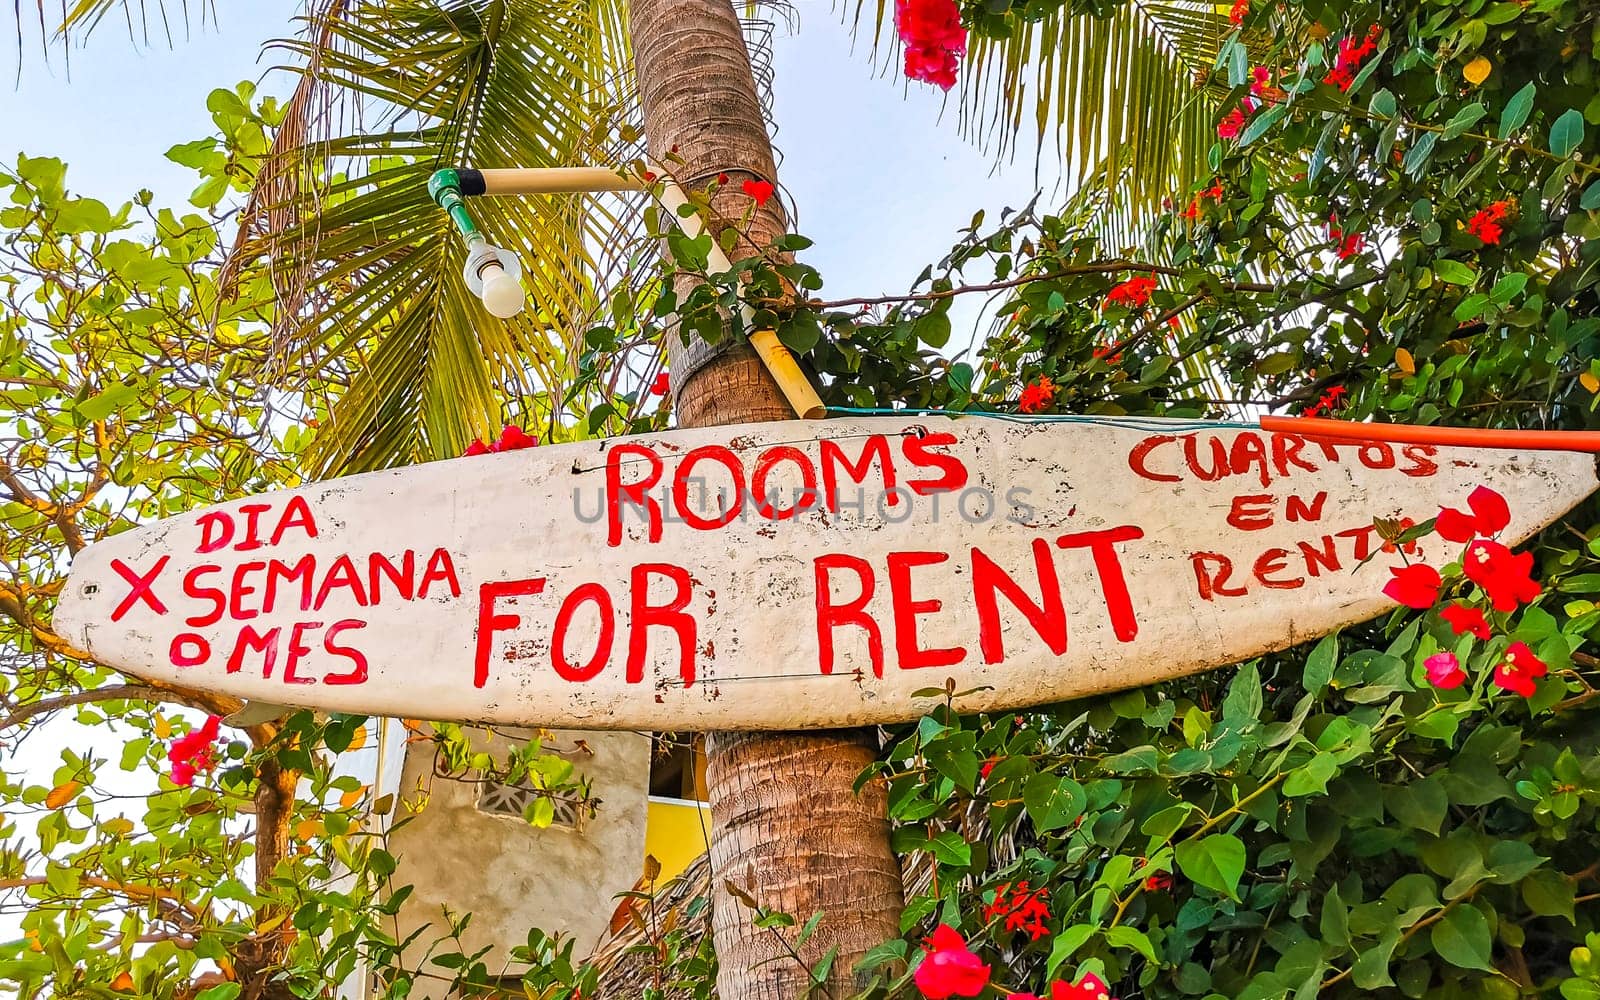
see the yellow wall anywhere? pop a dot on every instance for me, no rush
(675, 833)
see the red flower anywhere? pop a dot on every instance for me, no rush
(1415, 586)
(1232, 124)
(1490, 514)
(191, 753)
(1133, 293)
(1351, 246)
(1406, 524)
(1237, 13)
(476, 448)
(1464, 619)
(722, 178)
(1485, 222)
(1158, 882)
(1519, 668)
(950, 968)
(988, 766)
(759, 190)
(649, 176)
(1444, 671)
(1261, 85)
(514, 438)
(934, 39)
(1104, 354)
(1037, 395)
(1024, 909)
(1090, 987)
(661, 385)
(1348, 62)
(1506, 578)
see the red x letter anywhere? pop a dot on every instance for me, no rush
(140, 589)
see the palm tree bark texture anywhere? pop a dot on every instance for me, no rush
(787, 828)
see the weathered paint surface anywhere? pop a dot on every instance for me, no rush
(640, 583)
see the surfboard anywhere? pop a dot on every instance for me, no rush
(784, 575)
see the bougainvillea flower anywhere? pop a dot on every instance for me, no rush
(1465, 619)
(513, 438)
(934, 39)
(950, 969)
(1090, 987)
(1518, 669)
(1238, 11)
(759, 190)
(1489, 516)
(191, 753)
(661, 385)
(1444, 671)
(1037, 395)
(1506, 577)
(476, 448)
(1415, 586)
(1022, 908)
(1133, 293)
(1158, 882)
(988, 766)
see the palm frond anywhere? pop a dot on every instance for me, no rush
(367, 268)
(1105, 93)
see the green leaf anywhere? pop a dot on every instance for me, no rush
(1067, 943)
(1454, 272)
(1549, 893)
(1421, 804)
(1464, 119)
(1516, 111)
(1566, 134)
(1123, 936)
(1052, 802)
(1418, 155)
(1216, 862)
(221, 991)
(1462, 939)
(1320, 664)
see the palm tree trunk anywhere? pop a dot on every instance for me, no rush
(787, 829)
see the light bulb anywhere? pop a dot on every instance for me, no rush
(502, 293)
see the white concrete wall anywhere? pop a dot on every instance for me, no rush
(508, 875)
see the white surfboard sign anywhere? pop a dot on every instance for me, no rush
(783, 575)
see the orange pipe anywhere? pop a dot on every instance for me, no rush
(1452, 437)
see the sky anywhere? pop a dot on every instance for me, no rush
(881, 182)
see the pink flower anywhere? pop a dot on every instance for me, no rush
(1463, 619)
(1090, 987)
(1505, 577)
(191, 753)
(514, 438)
(1444, 671)
(1518, 669)
(934, 39)
(1489, 516)
(1415, 586)
(950, 968)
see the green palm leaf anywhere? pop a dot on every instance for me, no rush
(367, 268)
